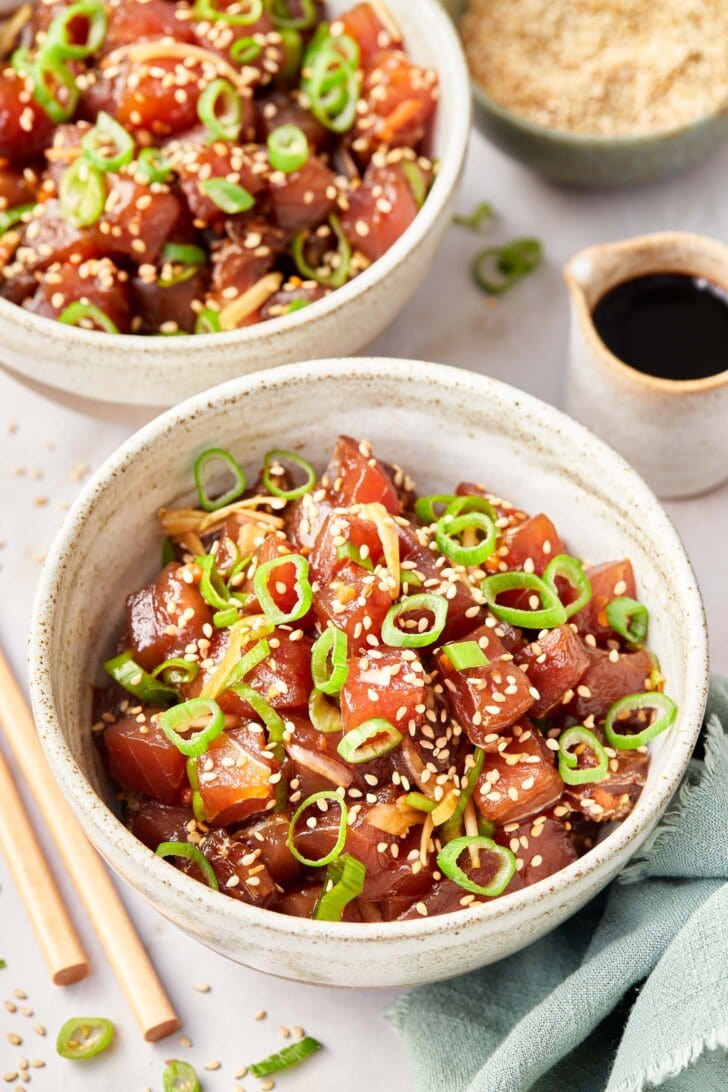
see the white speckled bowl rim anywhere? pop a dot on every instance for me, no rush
(456, 111)
(175, 887)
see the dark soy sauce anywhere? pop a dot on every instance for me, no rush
(670, 325)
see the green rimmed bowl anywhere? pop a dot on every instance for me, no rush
(584, 160)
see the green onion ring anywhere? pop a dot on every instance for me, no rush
(212, 587)
(629, 619)
(339, 275)
(152, 165)
(207, 322)
(124, 670)
(332, 645)
(84, 1037)
(58, 39)
(359, 745)
(206, 10)
(180, 716)
(177, 672)
(180, 1077)
(571, 570)
(326, 794)
(218, 454)
(323, 714)
(303, 589)
(198, 804)
(480, 214)
(278, 456)
(448, 527)
(245, 50)
(280, 14)
(10, 217)
(551, 614)
(287, 149)
(107, 132)
(273, 721)
(650, 700)
(345, 878)
(512, 262)
(447, 862)
(82, 193)
(193, 854)
(396, 637)
(347, 551)
(77, 312)
(183, 254)
(228, 196)
(247, 663)
(569, 763)
(220, 109)
(416, 180)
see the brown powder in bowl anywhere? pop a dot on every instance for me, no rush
(601, 67)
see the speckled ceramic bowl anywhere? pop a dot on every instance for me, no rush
(158, 371)
(583, 160)
(443, 424)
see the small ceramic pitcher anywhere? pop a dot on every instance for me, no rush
(674, 432)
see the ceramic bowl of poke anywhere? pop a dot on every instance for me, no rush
(367, 672)
(204, 194)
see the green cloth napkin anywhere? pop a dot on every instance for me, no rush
(628, 995)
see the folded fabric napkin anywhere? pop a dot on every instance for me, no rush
(628, 995)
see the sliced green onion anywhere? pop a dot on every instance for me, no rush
(345, 878)
(419, 802)
(372, 739)
(58, 37)
(551, 613)
(180, 1077)
(212, 586)
(332, 80)
(220, 109)
(13, 216)
(327, 794)
(177, 672)
(220, 455)
(80, 314)
(228, 196)
(153, 165)
(323, 714)
(348, 551)
(571, 570)
(292, 46)
(273, 721)
(303, 589)
(207, 322)
(281, 15)
(297, 305)
(84, 1037)
(198, 805)
(448, 528)
(511, 263)
(247, 663)
(396, 637)
(466, 654)
(339, 271)
(480, 215)
(223, 619)
(127, 673)
(425, 507)
(168, 552)
(250, 11)
(179, 717)
(274, 459)
(245, 50)
(651, 700)
(287, 148)
(82, 192)
(447, 862)
(629, 619)
(286, 1058)
(486, 827)
(183, 254)
(54, 86)
(451, 827)
(333, 646)
(108, 146)
(569, 763)
(416, 181)
(193, 854)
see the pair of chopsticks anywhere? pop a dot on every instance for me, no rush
(56, 934)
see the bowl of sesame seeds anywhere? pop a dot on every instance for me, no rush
(271, 178)
(491, 433)
(598, 94)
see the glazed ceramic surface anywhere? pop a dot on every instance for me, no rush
(442, 425)
(158, 371)
(674, 432)
(593, 161)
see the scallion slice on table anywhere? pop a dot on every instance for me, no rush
(220, 109)
(629, 619)
(304, 594)
(578, 736)
(344, 882)
(508, 265)
(178, 719)
(127, 673)
(466, 654)
(571, 570)
(334, 798)
(286, 1058)
(202, 465)
(396, 637)
(447, 862)
(180, 1077)
(548, 615)
(86, 315)
(332, 647)
(274, 461)
(663, 706)
(193, 854)
(84, 1037)
(370, 740)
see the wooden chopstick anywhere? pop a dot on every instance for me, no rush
(123, 948)
(57, 937)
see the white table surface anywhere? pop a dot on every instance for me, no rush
(44, 448)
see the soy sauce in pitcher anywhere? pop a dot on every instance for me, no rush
(670, 325)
